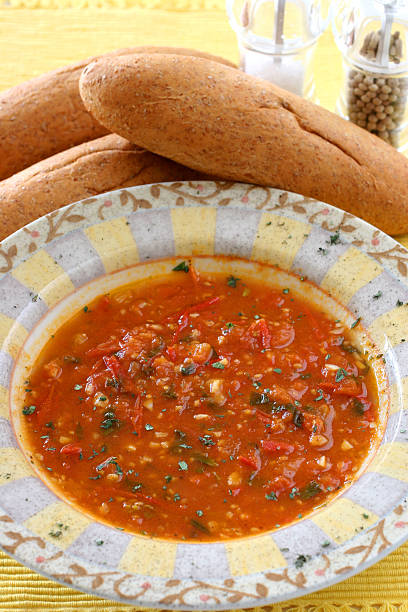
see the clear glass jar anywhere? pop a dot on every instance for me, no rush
(276, 39)
(372, 36)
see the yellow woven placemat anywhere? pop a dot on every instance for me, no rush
(35, 41)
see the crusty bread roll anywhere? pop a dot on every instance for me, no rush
(45, 115)
(221, 121)
(107, 163)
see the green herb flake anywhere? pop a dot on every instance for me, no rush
(95, 477)
(199, 512)
(181, 267)
(334, 238)
(271, 496)
(77, 387)
(199, 526)
(325, 544)
(86, 309)
(168, 478)
(277, 370)
(148, 427)
(29, 410)
(99, 542)
(310, 490)
(293, 493)
(176, 497)
(229, 325)
(377, 295)
(286, 291)
(320, 396)
(207, 440)
(340, 374)
(300, 561)
(218, 365)
(232, 281)
(356, 322)
(183, 466)
(399, 303)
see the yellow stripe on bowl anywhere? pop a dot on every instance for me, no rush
(390, 328)
(278, 239)
(391, 459)
(398, 403)
(13, 465)
(4, 403)
(55, 518)
(149, 557)
(44, 277)
(351, 271)
(344, 519)
(255, 555)
(12, 335)
(194, 230)
(114, 243)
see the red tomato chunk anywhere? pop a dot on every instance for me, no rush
(200, 408)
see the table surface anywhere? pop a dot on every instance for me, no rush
(35, 40)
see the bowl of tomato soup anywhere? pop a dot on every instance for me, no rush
(208, 400)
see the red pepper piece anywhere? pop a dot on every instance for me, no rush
(248, 462)
(113, 365)
(111, 346)
(71, 449)
(182, 324)
(104, 303)
(136, 416)
(265, 333)
(273, 446)
(171, 353)
(46, 411)
(347, 386)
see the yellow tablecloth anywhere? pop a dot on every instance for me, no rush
(35, 40)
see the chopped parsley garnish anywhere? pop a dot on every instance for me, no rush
(340, 374)
(310, 490)
(199, 512)
(199, 526)
(293, 493)
(322, 251)
(77, 387)
(229, 325)
(358, 407)
(29, 410)
(356, 322)
(99, 542)
(271, 496)
(181, 267)
(277, 370)
(232, 281)
(300, 561)
(188, 369)
(86, 308)
(218, 365)
(207, 440)
(399, 303)
(298, 418)
(148, 427)
(285, 291)
(334, 238)
(110, 461)
(377, 295)
(320, 396)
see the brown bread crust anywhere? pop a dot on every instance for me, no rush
(107, 163)
(45, 115)
(221, 121)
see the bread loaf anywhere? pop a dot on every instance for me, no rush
(224, 122)
(102, 165)
(45, 115)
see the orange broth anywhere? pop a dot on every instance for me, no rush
(200, 408)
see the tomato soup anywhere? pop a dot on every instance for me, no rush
(200, 407)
